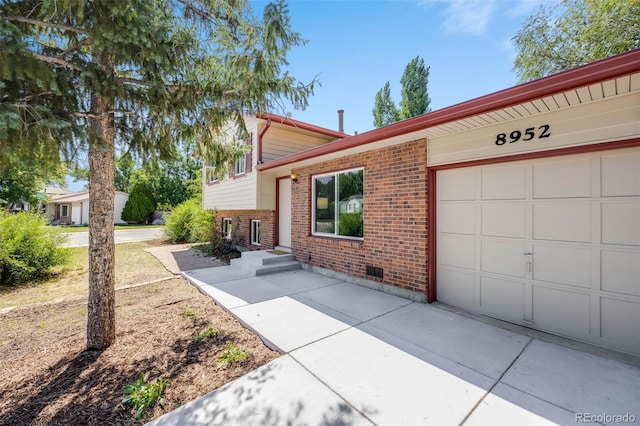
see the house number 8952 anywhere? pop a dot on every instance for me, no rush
(530, 133)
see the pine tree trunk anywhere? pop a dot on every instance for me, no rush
(101, 329)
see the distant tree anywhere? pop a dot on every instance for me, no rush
(574, 33)
(140, 204)
(22, 179)
(125, 172)
(384, 110)
(415, 98)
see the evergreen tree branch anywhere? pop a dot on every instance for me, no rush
(80, 45)
(46, 24)
(56, 61)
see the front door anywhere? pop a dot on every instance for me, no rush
(284, 212)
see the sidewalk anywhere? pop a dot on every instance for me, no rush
(352, 356)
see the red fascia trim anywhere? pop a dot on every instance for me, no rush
(605, 69)
(301, 125)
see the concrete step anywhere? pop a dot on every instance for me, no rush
(263, 262)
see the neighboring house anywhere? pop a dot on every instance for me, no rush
(522, 205)
(72, 208)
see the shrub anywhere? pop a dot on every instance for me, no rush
(141, 395)
(140, 204)
(29, 248)
(188, 222)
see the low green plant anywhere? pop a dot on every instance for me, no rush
(231, 355)
(209, 333)
(140, 395)
(189, 313)
(28, 247)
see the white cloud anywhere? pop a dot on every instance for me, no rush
(466, 16)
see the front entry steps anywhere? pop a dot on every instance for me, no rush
(262, 262)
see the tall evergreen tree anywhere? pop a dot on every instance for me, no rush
(415, 98)
(384, 110)
(573, 33)
(85, 76)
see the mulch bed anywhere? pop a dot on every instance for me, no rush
(47, 377)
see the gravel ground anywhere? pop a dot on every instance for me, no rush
(182, 257)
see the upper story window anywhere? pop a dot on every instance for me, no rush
(338, 204)
(243, 164)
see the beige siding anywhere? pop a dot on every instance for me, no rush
(279, 143)
(232, 194)
(267, 191)
(603, 120)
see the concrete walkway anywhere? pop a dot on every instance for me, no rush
(353, 355)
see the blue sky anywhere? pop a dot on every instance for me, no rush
(355, 46)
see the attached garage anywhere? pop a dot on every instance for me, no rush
(538, 214)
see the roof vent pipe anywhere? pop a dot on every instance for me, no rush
(341, 120)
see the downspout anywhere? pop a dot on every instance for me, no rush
(260, 135)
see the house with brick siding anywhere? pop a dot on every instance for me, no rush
(522, 205)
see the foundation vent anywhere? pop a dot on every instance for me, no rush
(374, 271)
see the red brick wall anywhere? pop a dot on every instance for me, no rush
(395, 217)
(242, 226)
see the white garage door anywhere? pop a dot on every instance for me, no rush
(552, 244)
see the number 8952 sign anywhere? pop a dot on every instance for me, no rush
(530, 133)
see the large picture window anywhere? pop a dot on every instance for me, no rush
(338, 204)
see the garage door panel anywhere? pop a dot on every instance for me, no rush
(553, 243)
(562, 179)
(502, 299)
(457, 251)
(457, 218)
(562, 265)
(621, 272)
(456, 288)
(620, 320)
(621, 223)
(503, 220)
(457, 185)
(503, 258)
(562, 311)
(504, 183)
(621, 175)
(562, 222)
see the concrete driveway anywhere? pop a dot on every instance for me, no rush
(353, 355)
(80, 239)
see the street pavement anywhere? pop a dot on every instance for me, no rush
(80, 239)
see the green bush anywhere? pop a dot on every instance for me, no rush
(188, 222)
(28, 247)
(140, 204)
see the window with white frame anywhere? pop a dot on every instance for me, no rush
(255, 232)
(227, 227)
(338, 204)
(241, 163)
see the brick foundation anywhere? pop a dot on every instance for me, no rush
(395, 218)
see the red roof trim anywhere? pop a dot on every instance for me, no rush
(301, 125)
(605, 69)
